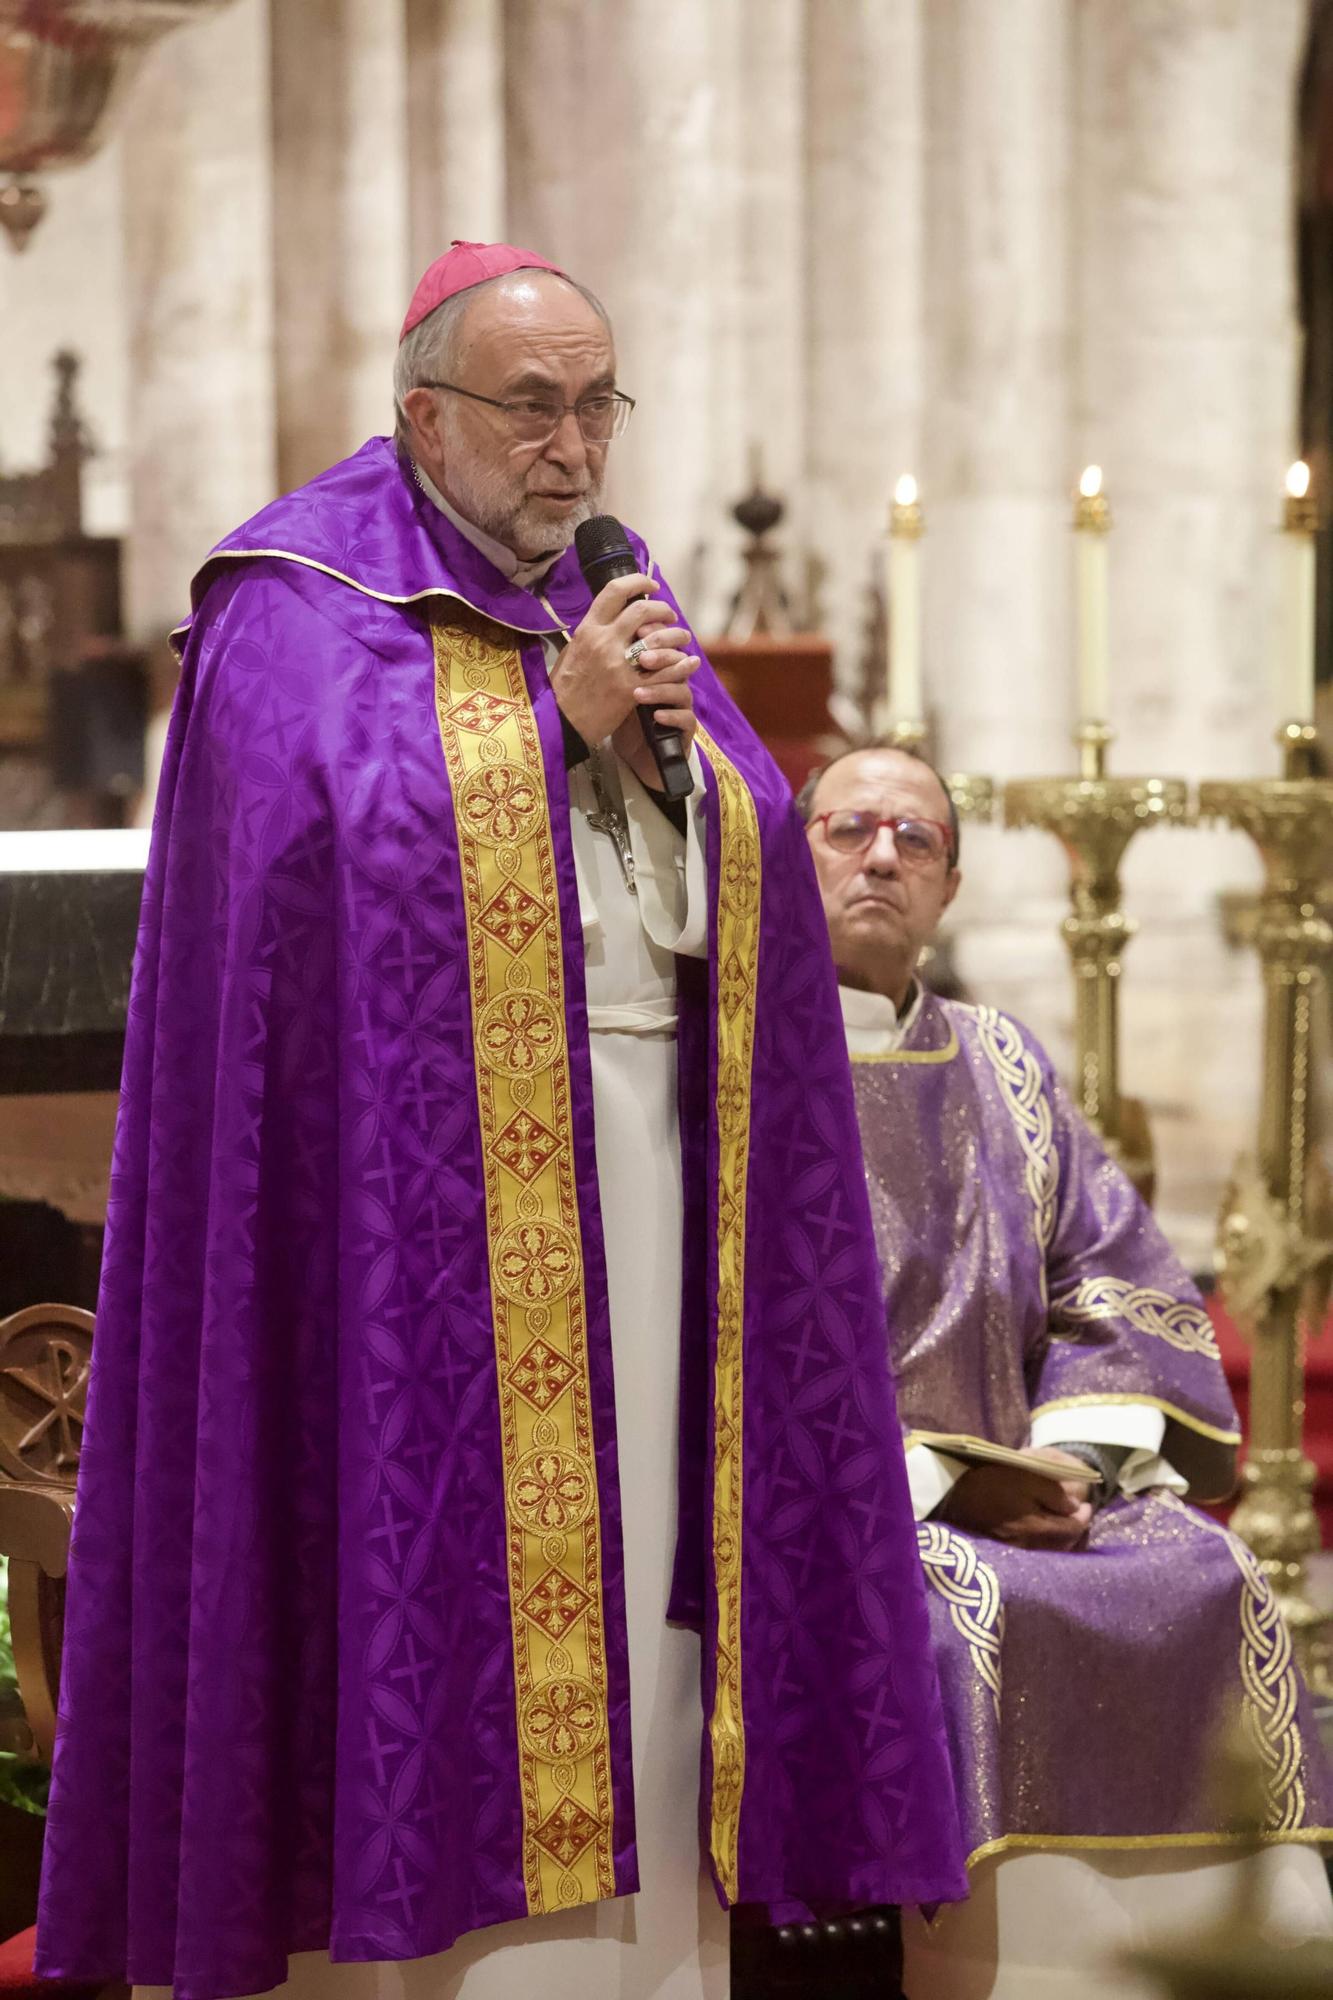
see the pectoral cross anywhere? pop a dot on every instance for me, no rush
(609, 819)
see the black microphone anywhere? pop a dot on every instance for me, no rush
(604, 553)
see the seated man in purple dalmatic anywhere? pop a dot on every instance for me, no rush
(1092, 1633)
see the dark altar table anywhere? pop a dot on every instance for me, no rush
(69, 910)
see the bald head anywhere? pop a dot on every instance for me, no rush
(884, 895)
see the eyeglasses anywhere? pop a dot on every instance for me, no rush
(534, 419)
(918, 841)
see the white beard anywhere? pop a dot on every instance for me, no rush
(500, 505)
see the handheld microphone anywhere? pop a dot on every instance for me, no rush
(604, 553)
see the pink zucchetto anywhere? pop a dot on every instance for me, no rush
(464, 265)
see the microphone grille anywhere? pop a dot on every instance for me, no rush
(596, 539)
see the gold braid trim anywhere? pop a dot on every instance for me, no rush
(552, 1524)
(1019, 1075)
(1268, 1678)
(1142, 1307)
(738, 905)
(971, 1590)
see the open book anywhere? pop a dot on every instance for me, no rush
(980, 1451)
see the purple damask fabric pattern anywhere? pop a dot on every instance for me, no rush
(288, 1715)
(1085, 1691)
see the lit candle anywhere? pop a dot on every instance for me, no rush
(1295, 660)
(906, 526)
(1092, 523)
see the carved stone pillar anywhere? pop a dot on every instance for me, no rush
(340, 253)
(455, 122)
(628, 210)
(1186, 394)
(198, 262)
(865, 282)
(997, 461)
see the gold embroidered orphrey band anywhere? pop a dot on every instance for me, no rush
(553, 1528)
(738, 906)
(971, 1590)
(1018, 1073)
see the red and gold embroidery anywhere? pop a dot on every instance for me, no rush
(553, 1529)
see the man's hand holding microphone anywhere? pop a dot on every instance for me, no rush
(625, 673)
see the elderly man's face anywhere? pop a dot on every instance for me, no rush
(527, 334)
(882, 905)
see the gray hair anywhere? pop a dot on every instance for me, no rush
(430, 351)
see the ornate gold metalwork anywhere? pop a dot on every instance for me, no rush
(1267, 1251)
(908, 736)
(1095, 817)
(973, 796)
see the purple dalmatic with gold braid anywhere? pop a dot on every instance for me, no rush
(1023, 1275)
(345, 1656)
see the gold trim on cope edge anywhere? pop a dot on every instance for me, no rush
(516, 966)
(738, 904)
(946, 1054)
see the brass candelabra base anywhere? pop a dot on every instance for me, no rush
(1272, 1259)
(1095, 817)
(973, 795)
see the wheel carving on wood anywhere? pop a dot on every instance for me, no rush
(45, 1352)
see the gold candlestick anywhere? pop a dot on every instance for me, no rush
(973, 795)
(1095, 817)
(1267, 1253)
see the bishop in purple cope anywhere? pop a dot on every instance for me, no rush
(368, 1594)
(1089, 1650)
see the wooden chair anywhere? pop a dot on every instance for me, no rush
(45, 1352)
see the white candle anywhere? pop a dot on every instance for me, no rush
(906, 525)
(1092, 522)
(1295, 652)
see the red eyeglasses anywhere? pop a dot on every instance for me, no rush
(918, 841)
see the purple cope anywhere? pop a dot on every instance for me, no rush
(289, 1700)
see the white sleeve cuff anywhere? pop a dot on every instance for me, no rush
(671, 873)
(1145, 1469)
(1137, 1426)
(930, 1476)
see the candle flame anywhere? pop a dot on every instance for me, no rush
(1090, 481)
(904, 493)
(1298, 479)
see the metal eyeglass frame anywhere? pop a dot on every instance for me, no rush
(624, 410)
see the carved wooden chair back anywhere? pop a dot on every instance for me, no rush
(45, 1354)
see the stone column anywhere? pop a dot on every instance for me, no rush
(455, 124)
(865, 283)
(340, 255)
(763, 407)
(996, 463)
(629, 209)
(1187, 395)
(198, 259)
